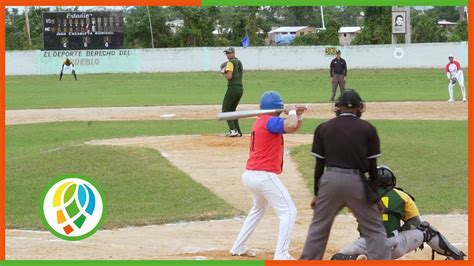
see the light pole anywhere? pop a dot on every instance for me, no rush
(151, 28)
(322, 17)
(27, 22)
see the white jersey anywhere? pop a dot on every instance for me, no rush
(68, 68)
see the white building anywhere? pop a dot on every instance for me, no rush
(347, 34)
(285, 35)
(446, 24)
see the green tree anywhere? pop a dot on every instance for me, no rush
(16, 37)
(376, 27)
(331, 35)
(237, 28)
(270, 17)
(253, 28)
(347, 15)
(459, 32)
(449, 13)
(425, 29)
(307, 39)
(137, 28)
(239, 21)
(302, 16)
(199, 23)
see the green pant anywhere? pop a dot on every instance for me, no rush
(231, 100)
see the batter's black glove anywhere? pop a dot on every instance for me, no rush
(454, 80)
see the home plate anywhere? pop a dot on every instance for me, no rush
(168, 115)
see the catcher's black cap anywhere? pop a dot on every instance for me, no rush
(350, 98)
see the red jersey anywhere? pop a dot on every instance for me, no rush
(266, 145)
(453, 67)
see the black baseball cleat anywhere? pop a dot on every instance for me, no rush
(340, 256)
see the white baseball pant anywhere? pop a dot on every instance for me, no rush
(267, 190)
(68, 69)
(460, 78)
(402, 243)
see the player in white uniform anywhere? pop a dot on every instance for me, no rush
(67, 67)
(455, 75)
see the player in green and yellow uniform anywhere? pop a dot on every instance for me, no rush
(397, 206)
(233, 72)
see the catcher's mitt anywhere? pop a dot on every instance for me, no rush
(454, 80)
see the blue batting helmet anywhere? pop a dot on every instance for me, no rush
(271, 100)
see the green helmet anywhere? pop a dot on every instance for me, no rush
(386, 176)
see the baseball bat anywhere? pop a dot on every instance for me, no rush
(243, 114)
(250, 113)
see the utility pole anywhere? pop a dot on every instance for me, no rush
(408, 23)
(151, 28)
(461, 13)
(322, 17)
(27, 22)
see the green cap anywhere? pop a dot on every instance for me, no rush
(229, 50)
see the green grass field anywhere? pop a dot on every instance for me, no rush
(26, 92)
(140, 185)
(430, 158)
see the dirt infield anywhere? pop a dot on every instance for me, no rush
(375, 110)
(219, 170)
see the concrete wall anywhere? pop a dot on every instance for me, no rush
(428, 55)
(346, 40)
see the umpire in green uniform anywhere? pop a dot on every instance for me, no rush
(233, 72)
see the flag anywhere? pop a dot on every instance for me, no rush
(245, 41)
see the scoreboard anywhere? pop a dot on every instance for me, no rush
(82, 30)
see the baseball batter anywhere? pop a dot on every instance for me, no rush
(400, 206)
(68, 66)
(455, 75)
(261, 175)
